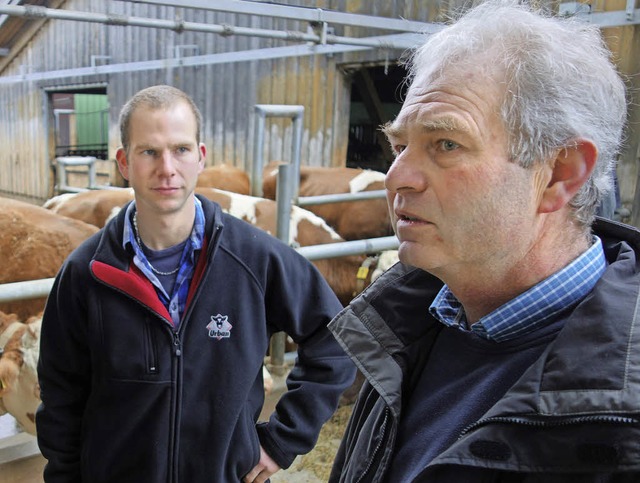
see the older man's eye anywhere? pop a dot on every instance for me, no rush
(448, 145)
(398, 148)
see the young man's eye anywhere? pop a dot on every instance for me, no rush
(398, 148)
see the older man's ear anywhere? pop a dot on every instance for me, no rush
(570, 170)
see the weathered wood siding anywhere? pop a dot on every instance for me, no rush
(225, 93)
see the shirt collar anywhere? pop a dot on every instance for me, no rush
(196, 237)
(532, 309)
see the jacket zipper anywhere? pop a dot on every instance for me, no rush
(378, 446)
(177, 344)
(177, 351)
(555, 421)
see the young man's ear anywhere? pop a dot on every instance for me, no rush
(123, 165)
(571, 169)
(203, 155)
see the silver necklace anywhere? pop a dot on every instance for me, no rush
(135, 226)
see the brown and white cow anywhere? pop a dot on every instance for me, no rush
(225, 177)
(353, 220)
(34, 243)
(305, 229)
(19, 350)
(98, 206)
(93, 206)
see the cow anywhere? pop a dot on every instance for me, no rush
(225, 177)
(305, 229)
(97, 206)
(34, 243)
(19, 349)
(353, 220)
(93, 206)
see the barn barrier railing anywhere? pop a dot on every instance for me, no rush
(31, 289)
(286, 197)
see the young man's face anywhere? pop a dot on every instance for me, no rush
(164, 158)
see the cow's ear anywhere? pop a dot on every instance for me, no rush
(123, 165)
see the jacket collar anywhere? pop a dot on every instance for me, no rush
(593, 365)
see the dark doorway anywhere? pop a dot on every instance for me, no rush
(376, 97)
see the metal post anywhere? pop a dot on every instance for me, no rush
(262, 111)
(284, 201)
(64, 161)
(258, 163)
(288, 182)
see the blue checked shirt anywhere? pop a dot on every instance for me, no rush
(177, 300)
(533, 308)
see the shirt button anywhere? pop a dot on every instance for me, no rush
(173, 306)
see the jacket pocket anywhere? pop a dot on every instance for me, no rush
(245, 447)
(150, 349)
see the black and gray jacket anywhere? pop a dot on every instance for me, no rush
(127, 397)
(574, 416)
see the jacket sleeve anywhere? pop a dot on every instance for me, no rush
(64, 377)
(301, 303)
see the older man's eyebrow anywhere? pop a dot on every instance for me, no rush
(449, 124)
(391, 129)
(443, 124)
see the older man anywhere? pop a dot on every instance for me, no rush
(504, 346)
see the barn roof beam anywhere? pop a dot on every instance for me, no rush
(38, 12)
(628, 16)
(398, 41)
(308, 14)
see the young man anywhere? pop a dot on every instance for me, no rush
(156, 328)
(506, 344)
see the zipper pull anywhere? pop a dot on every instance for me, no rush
(177, 344)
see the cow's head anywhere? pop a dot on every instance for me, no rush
(19, 389)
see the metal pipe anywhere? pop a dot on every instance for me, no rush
(296, 150)
(283, 219)
(41, 288)
(355, 247)
(406, 40)
(340, 197)
(31, 289)
(262, 111)
(39, 12)
(257, 163)
(302, 14)
(284, 200)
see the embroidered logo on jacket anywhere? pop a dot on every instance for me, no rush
(219, 327)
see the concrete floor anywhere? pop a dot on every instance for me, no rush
(20, 459)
